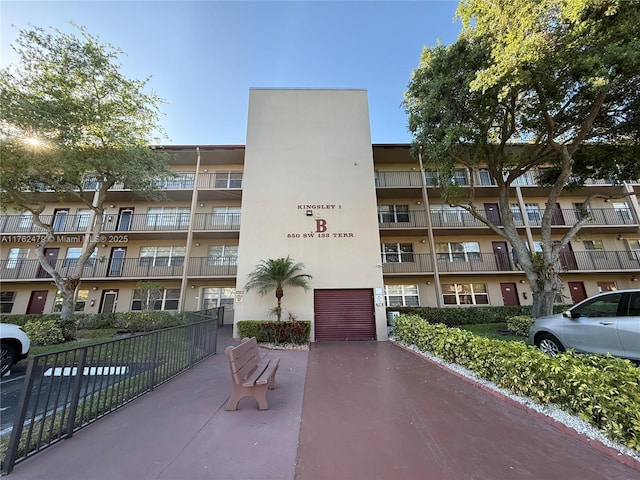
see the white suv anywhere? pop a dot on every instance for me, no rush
(15, 346)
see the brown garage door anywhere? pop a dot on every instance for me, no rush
(344, 315)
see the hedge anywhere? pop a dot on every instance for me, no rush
(602, 390)
(455, 316)
(268, 331)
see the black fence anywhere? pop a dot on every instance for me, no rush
(67, 390)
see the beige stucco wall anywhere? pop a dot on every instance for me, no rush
(309, 148)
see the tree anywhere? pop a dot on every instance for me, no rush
(71, 127)
(275, 274)
(532, 84)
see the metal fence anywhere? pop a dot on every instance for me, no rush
(70, 389)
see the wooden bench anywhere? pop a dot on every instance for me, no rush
(251, 376)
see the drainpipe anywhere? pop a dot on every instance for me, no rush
(432, 243)
(192, 218)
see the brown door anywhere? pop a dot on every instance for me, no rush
(501, 252)
(109, 301)
(578, 293)
(567, 258)
(37, 301)
(51, 254)
(509, 294)
(492, 212)
(344, 315)
(557, 218)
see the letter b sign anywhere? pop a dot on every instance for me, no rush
(321, 225)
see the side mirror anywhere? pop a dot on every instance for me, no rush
(568, 314)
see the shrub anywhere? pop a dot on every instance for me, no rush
(44, 332)
(295, 332)
(519, 325)
(455, 316)
(602, 390)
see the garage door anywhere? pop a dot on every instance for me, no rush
(344, 315)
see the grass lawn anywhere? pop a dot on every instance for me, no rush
(494, 331)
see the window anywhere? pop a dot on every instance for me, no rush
(222, 255)
(162, 256)
(16, 256)
(81, 301)
(82, 219)
(581, 211)
(180, 180)
(431, 178)
(218, 297)
(484, 177)
(228, 180)
(397, 252)
(465, 294)
(605, 306)
(26, 221)
(226, 216)
(169, 216)
(7, 300)
(450, 214)
(623, 211)
(533, 212)
(516, 212)
(607, 286)
(401, 295)
(634, 247)
(73, 254)
(393, 213)
(460, 176)
(593, 245)
(458, 251)
(155, 299)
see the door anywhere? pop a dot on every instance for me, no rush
(593, 326)
(344, 315)
(109, 301)
(501, 252)
(567, 258)
(556, 217)
(577, 291)
(125, 218)
(116, 262)
(60, 216)
(51, 254)
(492, 212)
(509, 294)
(37, 302)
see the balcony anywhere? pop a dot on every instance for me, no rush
(212, 267)
(474, 262)
(217, 221)
(141, 267)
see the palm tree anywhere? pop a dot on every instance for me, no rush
(276, 274)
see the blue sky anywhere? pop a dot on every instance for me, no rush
(204, 56)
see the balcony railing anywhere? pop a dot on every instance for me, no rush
(398, 179)
(217, 221)
(102, 267)
(490, 262)
(461, 218)
(213, 267)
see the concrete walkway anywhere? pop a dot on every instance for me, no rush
(371, 410)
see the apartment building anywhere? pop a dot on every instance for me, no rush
(367, 221)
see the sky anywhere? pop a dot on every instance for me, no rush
(203, 56)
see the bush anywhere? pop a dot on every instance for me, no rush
(295, 332)
(519, 325)
(44, 332)
(602, 390)
(455, 316)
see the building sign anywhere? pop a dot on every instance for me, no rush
(321, 228)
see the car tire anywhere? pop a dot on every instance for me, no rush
(549, 344)
(7, 358)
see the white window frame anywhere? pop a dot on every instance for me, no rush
(465, 293)
(15, 257)
(168, 216)
(225, 216)
(214, 297)
(401, 295)
(393, 213)
(397, 253)
(228, 180)
(7, 301)
(454, 252)
(222, 255)
(162, 255)
(167, 298)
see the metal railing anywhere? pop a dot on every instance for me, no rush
(70, 389)
(460, 262)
